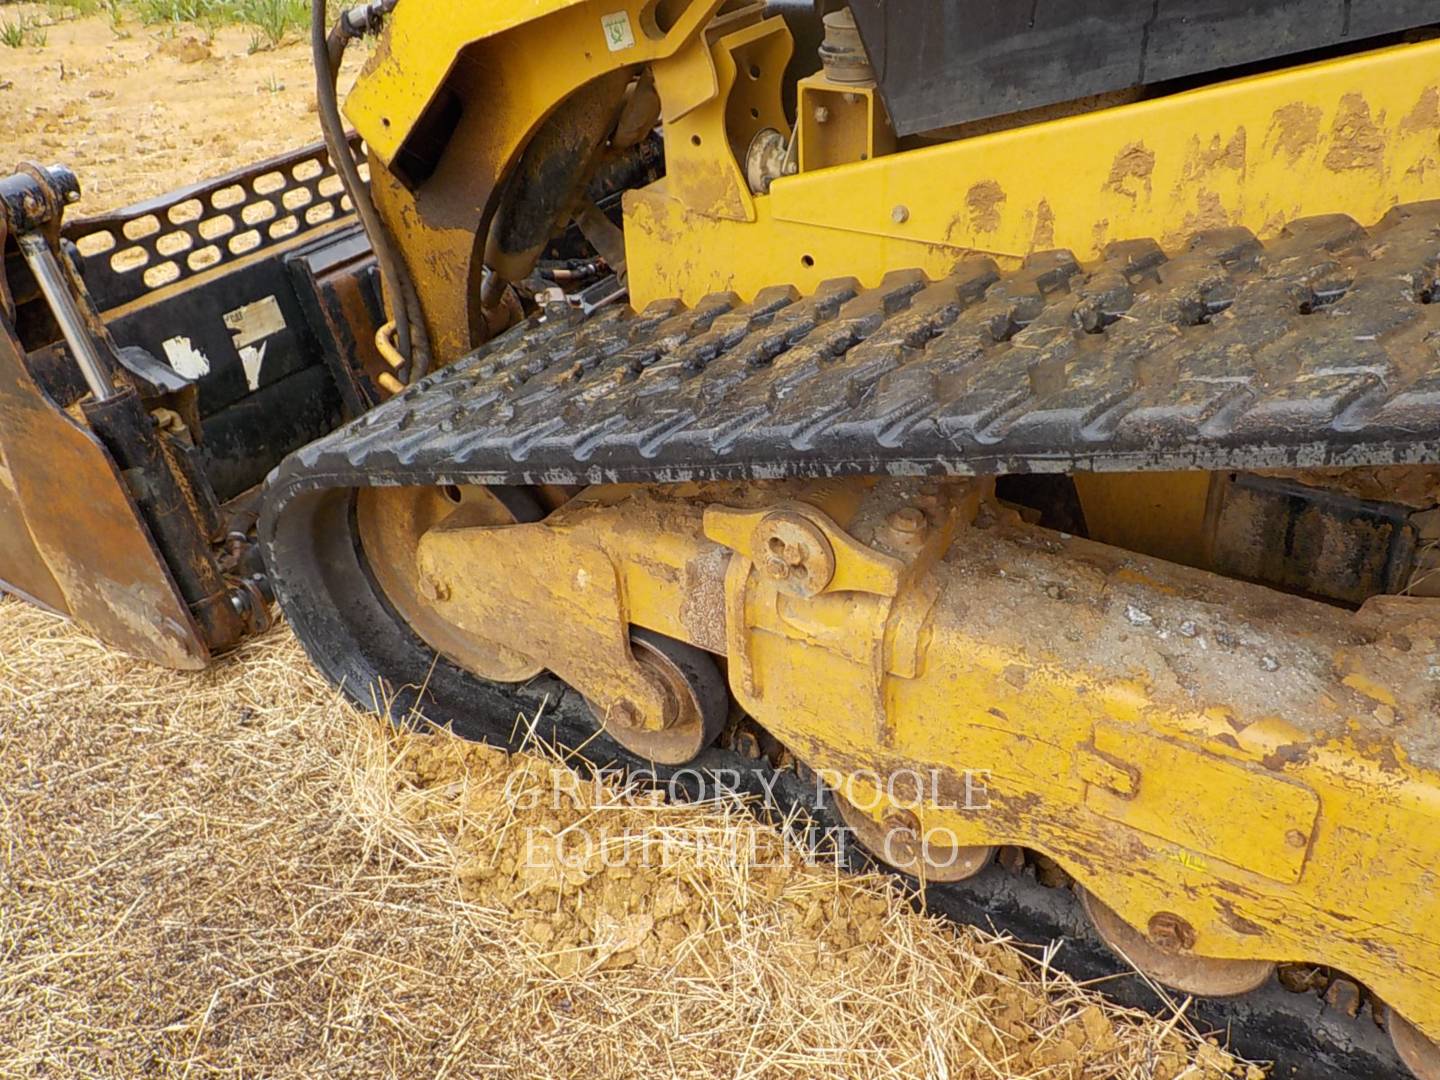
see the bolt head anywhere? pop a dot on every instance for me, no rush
(822, 114)
(900, 215)
(777, 568)
(1169, 931)
(901, 821)
(903, 847)
(433, 589)
(791, 551)
(909, 521)
(624, 714)
(902, 835)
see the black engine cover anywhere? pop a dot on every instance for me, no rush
(944, 62)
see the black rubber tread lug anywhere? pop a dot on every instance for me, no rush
(1318, 347)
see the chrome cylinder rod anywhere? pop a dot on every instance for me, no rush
(56, 291)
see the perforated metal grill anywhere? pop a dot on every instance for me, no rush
(152, 244)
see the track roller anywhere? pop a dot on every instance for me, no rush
(1203, 976)
(1420, 1054)
(697, 707)
(897, 841)
(391, 521)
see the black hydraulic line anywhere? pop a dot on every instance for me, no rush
(567, 270)
(412, 339)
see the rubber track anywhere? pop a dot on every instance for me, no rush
(1318, 349)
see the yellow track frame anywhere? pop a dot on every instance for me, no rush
(1260, 771)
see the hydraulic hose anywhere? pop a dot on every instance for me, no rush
(411, 337)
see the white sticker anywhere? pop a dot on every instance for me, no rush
(618, 35)
(252, 322)
(185, 358)
(250, 359)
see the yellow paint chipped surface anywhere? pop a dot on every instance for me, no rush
(1131, 170)
(983, 201)
(1356, 141)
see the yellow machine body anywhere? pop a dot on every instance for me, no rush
(1259, 771)
(1257, 768)
(1354, 135)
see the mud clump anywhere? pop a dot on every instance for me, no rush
(1131, 170)
(1356, 141)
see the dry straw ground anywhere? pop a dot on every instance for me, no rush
(234, 873)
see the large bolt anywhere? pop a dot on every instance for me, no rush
(792, 552)
(624, 714)
(900, 215)
(776, 568)
(1170, 932)
(909, 521)
(902, 836)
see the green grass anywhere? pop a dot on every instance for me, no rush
(72, 9)
(272, 22)
(273, 19)
(209, 15)
(114, 10)
(22, 31)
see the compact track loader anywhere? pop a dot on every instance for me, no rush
(923, 391)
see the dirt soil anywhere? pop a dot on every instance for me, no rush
(137, 111)
(235, 873)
